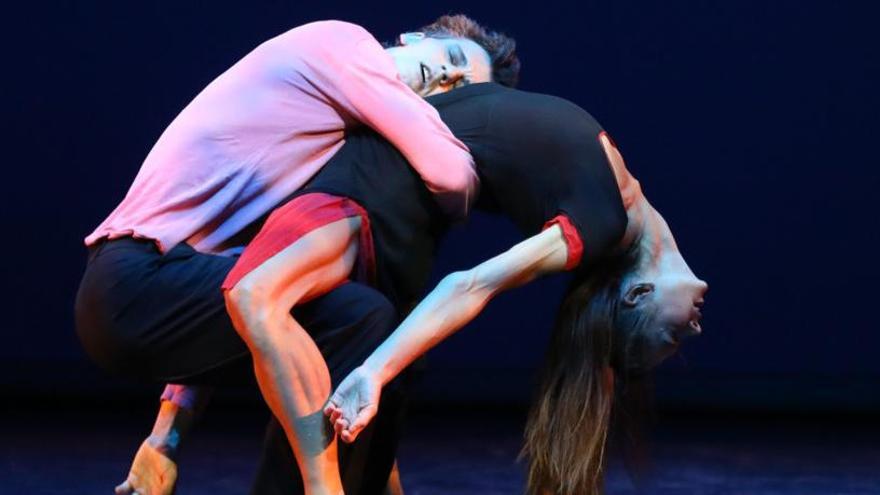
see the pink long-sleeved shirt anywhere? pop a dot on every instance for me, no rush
(260, 130)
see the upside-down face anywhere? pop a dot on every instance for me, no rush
(671, 303)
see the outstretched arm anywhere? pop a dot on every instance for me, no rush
(290, 370)
(456, 300)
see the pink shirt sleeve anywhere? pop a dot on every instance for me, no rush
(372, 93)
(182, 395)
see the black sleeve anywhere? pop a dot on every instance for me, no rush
(595, 206)
(559, 165)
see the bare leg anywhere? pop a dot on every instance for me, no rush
(290, 370)
(394, 486)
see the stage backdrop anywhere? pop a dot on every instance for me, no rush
(751, 125)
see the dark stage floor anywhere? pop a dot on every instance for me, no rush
(76, 452)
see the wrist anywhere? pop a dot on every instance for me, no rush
(375, 370)
(166, 443)
(169, 428)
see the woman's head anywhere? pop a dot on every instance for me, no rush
(660, 302)
(619, 320)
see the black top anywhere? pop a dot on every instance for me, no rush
(537, 156)
(405, 221)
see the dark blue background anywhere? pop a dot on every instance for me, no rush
(751, 125)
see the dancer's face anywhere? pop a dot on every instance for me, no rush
(672, 300)
(436, 65)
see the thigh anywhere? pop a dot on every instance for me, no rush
(156, 317)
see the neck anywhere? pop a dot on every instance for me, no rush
(649, 230)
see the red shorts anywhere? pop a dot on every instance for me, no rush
(296, 218)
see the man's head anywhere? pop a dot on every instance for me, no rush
(452, 52)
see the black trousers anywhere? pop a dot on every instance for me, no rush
(163, 318)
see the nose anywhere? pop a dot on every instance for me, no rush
(702, 288)
(450, 74)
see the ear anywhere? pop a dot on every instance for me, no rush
(412, 37)
(636, 294)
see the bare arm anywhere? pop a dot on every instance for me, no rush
(290, 370)
(456, 300)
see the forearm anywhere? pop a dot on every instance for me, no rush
(451, 305)
(180, 407)
(461, 296)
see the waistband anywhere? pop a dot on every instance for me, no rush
(131, 243)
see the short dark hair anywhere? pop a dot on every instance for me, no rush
(500, 47)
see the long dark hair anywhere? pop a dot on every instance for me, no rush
(593, 342)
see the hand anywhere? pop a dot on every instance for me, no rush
(152, 473)
(354, 403)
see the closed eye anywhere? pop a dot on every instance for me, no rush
(457, 56)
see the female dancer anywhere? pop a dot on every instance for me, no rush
(548, 166)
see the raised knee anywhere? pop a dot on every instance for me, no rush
(247, 307)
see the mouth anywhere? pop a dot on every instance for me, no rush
(696, 316)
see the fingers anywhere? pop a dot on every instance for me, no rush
(331, 407)
(123, 489)
(349, 436)
(127, 488)
(363, 419)
(335, 415)
(340, 425)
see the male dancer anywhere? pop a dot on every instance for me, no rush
(250, 139)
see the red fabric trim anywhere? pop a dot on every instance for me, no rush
(610, 139)
(572, 239)
(296, 218)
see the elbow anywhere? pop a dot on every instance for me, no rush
(460, 284)
(461, 180)
(456, 192)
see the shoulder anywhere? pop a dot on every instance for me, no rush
(551, 122)
(337, 28)
(322, 36)
(550, 112)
